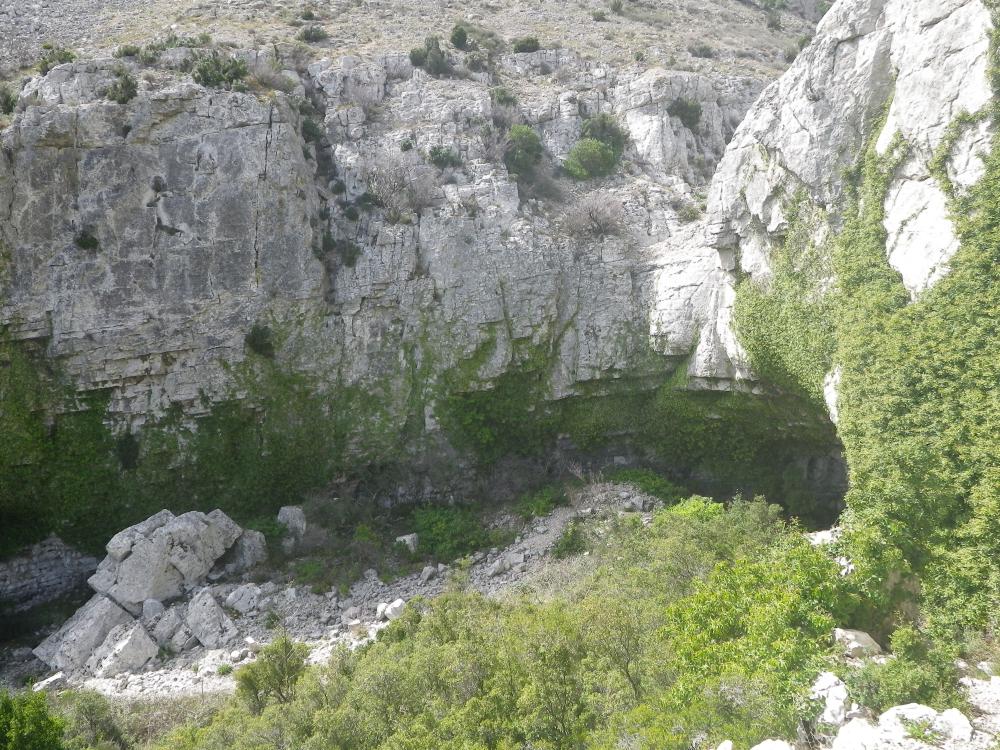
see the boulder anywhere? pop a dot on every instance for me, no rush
(409, 541)
(429, 572)
(857, 734)
(395, 609)
(380, 611)
(167, 625)
(127, 648)
(357, 629)
(773, 745)
(69, 648)
(856, 643)
(725, 745)
(208, 622)
(163, 556)
(293, 518)
(52, 682)
(152, 608)
(244, 598)
(832, 692)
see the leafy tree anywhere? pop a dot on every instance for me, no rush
(275, 674)
(26, 724)
(590, 158)
(524, 151)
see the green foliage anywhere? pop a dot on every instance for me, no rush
(702, 50)
(541, 503)
(124, 88)
(524, 151)
(503, 96)
(8, 100)
(786, 323)
(599, 15)
(26, 724)
(589, 159)
(459, 37)
(224, 669)
(54, 56)
(127, 50)
(216, 71)
(92, 721)
(572, 541)
(651, 483)
(260, 340)
(275, 675)
(313, 33)
(606, 129)
(707, 625)
(444, 157)
(448, 533)
(85, 240)
(617, 6)
(688, 111)
(312, 131)
(430, 57)
(920, 672)
(527, 44)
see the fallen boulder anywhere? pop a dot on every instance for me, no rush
(856, 643)
(163, 557)
(69, 648)
(208, 621)
(127, 648)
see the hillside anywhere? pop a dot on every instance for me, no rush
(547, 331)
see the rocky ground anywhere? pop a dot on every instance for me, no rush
(254, 612)
(746, 39)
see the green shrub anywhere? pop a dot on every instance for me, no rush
(418, 56)
(430, 57)
(216, 71)
(93, 721)
(616, 6)
(702, 50)
(572, 541)
(447, 533)
(524, 151)
(605, 128)
(313, 34)
(260, 340)
(459, 37)
(503, 96)
(54, 56)
(688, 111)
(8, 100)
(128, 50)
(224, 669)
(920, 672)
(540, 503)
(599, 15)
(590, 158)
(124, 88)
(26, 724)
(311, 130)
(85, 240)
(274, 676)
(527, 44)
(443, 157)
(773, 20)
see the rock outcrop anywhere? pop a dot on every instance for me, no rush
(158, 560)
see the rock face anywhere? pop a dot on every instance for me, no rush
(70, 647)
(46, 571)
(144, 240)
(927, 63)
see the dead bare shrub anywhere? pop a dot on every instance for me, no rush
(401, 187)
(595, 215)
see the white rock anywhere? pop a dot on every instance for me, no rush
(725, 745)
(69, 648)
(832, 691)
(244, 598)
(127, 648)
(856, 643)
(357, 628)
(773, 745)
(51, 682)
(152, 608)
(293, 518)
(857, 734)
(954, 725)
(395, 609)
(410, 541)
(208, 622)
(428, 573)
(380, 610)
